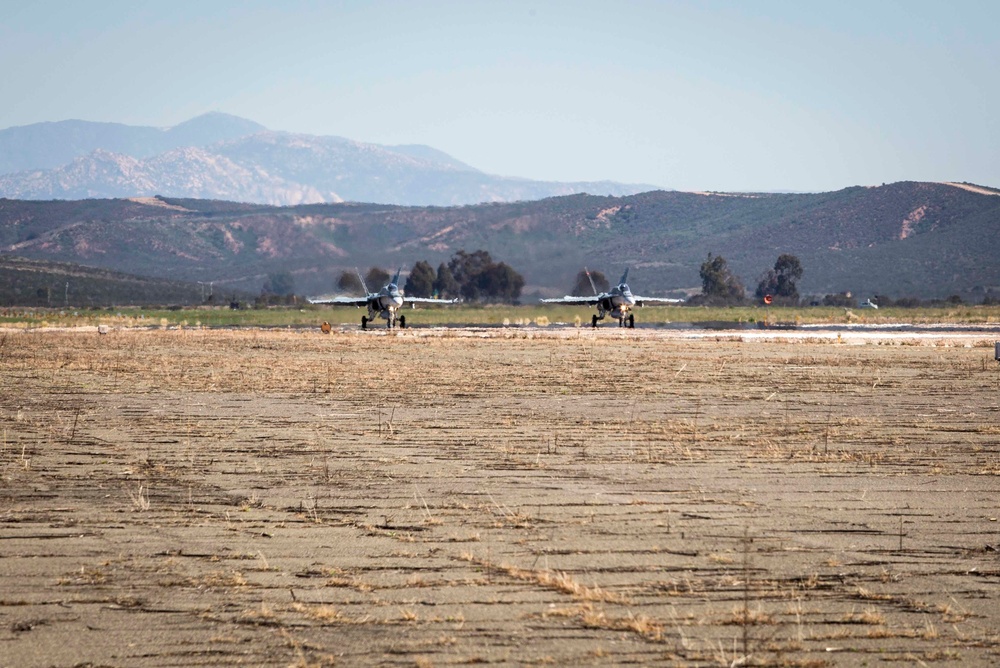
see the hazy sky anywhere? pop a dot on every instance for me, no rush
(799, 95)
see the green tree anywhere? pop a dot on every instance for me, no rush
(349, 283)
(718, 284)
(420, 282)
(499, 282)
(279, 283)
(582, 287)
(789, 270)
(465, 267)
(445, 284)
(478, 278)
(780, 281)
(376, 278)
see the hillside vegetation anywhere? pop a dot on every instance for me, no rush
(925, 240)
(25, 282)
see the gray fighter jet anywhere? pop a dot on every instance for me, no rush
(618, 302)
(383, 303)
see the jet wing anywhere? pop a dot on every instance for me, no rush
(642, 301)
(428, 300)
(342, 301)
(590, 301)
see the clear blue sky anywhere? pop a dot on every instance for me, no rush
(798, 95)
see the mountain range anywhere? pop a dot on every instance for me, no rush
(219, 156)
(906, 239)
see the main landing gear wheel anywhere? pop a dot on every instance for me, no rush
(402, 322)
(593, 321)
(364, 322)
(631, 321)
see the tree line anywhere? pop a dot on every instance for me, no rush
(721, 287)
(473, 277)
(778, 286)
(477, 277)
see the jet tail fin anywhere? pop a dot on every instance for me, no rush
(591, 279)
(362, 278)
(624, 277)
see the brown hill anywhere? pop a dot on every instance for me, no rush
(903, 239)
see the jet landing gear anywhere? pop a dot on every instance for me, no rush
(624, 321)
(389, 323)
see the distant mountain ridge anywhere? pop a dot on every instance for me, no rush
(49, 145)
(903, 239)
(219, 156)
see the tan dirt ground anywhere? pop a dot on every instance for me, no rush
(506, 497)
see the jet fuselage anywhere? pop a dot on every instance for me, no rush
(385, 303)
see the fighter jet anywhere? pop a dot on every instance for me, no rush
(618, 302)
(383, 303)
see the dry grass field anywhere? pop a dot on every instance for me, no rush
(512, 496)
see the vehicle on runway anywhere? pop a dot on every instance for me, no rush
(617, 302)
(383, 304)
